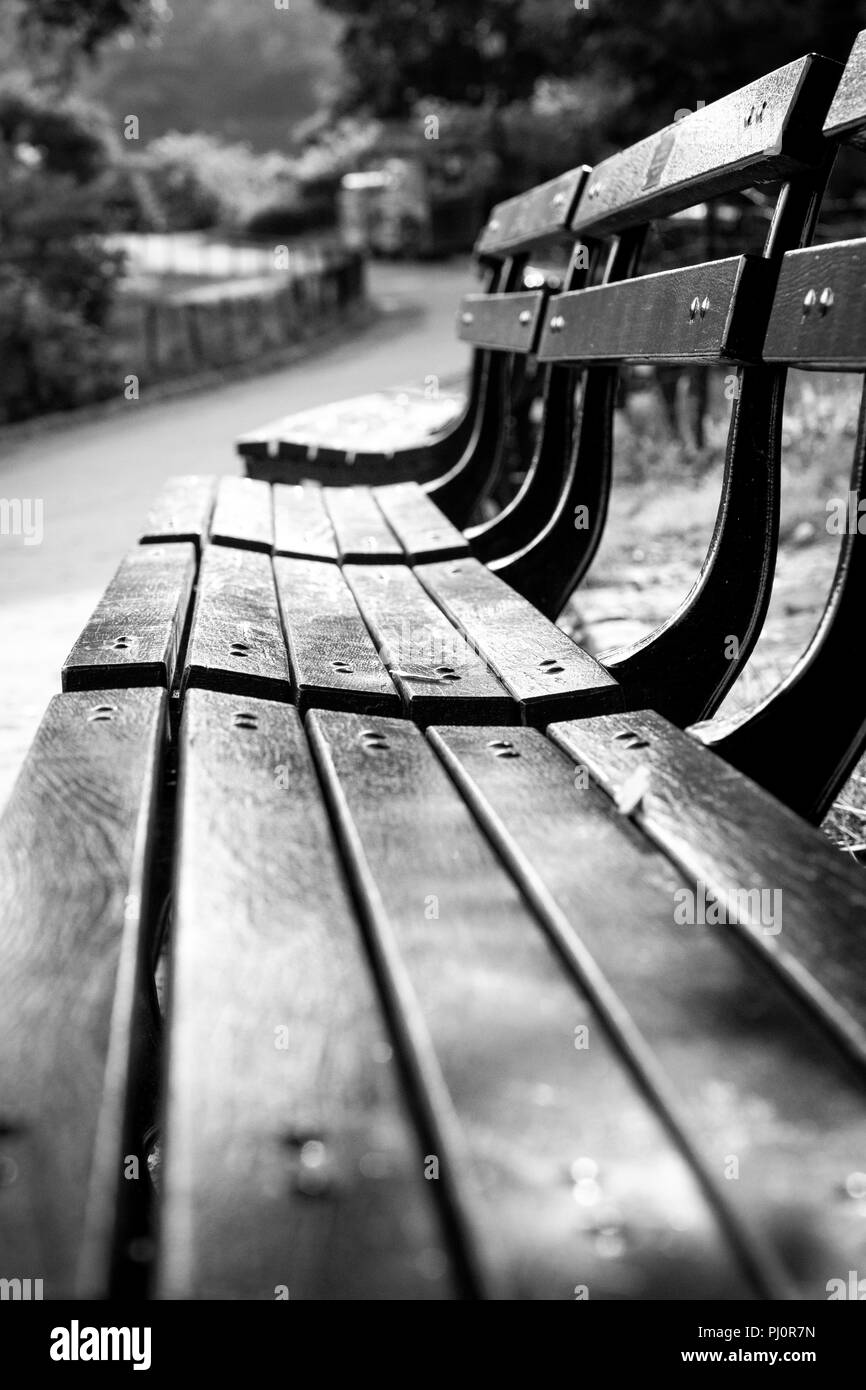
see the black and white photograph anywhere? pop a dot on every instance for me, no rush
(432, 705)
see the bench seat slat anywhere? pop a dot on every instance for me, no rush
(362, 533)
(424, 532)
(333, 660)
(133, 635)
(767, 130)
(182, 511)
(502, 322)
(439, 676)
(734, 837)
(732, 1042)
(76, 849)
(291, 1159)
(537, 216)
(302, 527)
(488, 1017)
(716, 312)
(236, 640)
(819, 315)
(534, 659)
(243, 515)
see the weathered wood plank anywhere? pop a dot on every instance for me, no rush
(243, 515)
(819, 314)
(737, 840)
(236, 641)
(540, 215)
(502, 322)
(534, 659)
(424, 532)
(846, 119)
(76, 846)
(440, 677)
(362, 533)
(181, 512)
(715, 312)
(767, 130)
(291, 1161)
(133, 635)
(771, 1107)
(489, 1018)
(333, 661)
(301, 524)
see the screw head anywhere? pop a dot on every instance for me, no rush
(557, 323)
(826, 299)
(525, 316)
(493, 224)
(705, 304)
(466, 317)
(810, 299)
(694, 307)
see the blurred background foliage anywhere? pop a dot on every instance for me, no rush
(249, 114)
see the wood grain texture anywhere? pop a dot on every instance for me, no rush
(819, 310)
(715, 312)
(742, 1072)
(290, 1158)
(440, 677)
(333, 660)
(133, 635)
(846, 119)
(540, 214)
(488, 1018)
(301, 524)
(181, 512)
(236, 641)
(424, 532)
(501, 322)
(732, 836)
(76, 845)
(363, 535)
(767, 130)
(535, 660)
(243, 514)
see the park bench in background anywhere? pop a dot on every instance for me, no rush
(488, 977)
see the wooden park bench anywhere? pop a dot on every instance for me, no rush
(488, 976)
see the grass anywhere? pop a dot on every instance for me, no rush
(663, 507)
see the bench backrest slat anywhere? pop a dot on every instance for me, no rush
(540, 215)
(768, 130)
(818, 317)
(715, 312)
(846, 119)
(502, 322)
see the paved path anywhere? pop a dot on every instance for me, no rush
(97, 478)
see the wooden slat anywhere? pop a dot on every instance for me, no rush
(769, 1104)
(363, 534)
(503, 322)
(424, 532)
(716, 312)
(768, 130)
(846, 119)
(182, 511)
(533, 658)
(133, 635)
(243, 514)
(236, 641)
(76, 845)
(440, 677)
(290, 1159)
(333, 661)
(488, 1018)
(725, 831)
(819, 310)
(301, 524)
(532, 218)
